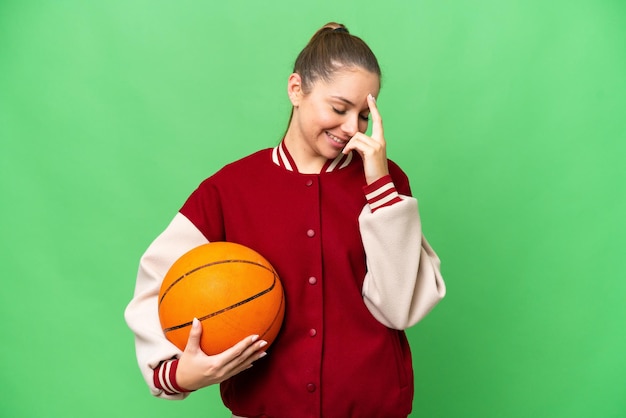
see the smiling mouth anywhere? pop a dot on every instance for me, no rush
(335, 139)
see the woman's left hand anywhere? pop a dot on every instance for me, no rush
(372, 149)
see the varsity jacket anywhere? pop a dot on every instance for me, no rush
(356, 271)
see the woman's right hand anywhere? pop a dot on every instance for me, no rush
(197, 370)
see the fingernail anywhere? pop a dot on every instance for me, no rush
(372, 97)
(262, 344)
(195, 323)
(254, 338)
(263, 354)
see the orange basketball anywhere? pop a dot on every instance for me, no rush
(230, 288)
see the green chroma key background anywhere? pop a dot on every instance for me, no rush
(508, 116)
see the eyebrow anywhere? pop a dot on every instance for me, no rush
(343, 99)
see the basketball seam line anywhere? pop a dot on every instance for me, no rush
(228, 308)
(209, 265)
(280, 307)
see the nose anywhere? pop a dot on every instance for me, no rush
(350, 125)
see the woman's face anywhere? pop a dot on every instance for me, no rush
(325, 118)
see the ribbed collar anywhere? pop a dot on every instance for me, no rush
(282, 158)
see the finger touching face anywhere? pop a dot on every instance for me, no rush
(331, 112)
(377, 120)
(345, 98)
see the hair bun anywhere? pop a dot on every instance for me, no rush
(335, 27)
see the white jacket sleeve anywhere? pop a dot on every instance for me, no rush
(403, 282)
(141, 314)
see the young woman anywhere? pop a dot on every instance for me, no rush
(336, 219)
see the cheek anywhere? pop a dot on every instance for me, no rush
(326, 118)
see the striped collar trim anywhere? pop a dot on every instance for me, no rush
(282, 158)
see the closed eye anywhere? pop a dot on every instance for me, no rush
(365, 118)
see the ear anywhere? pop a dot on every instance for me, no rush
(294, 89)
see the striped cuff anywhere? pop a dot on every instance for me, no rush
(381, 193)
(165, 378)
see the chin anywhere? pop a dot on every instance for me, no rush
(329, 148)
(330, 153)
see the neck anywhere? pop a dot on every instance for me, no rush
(306, 159)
